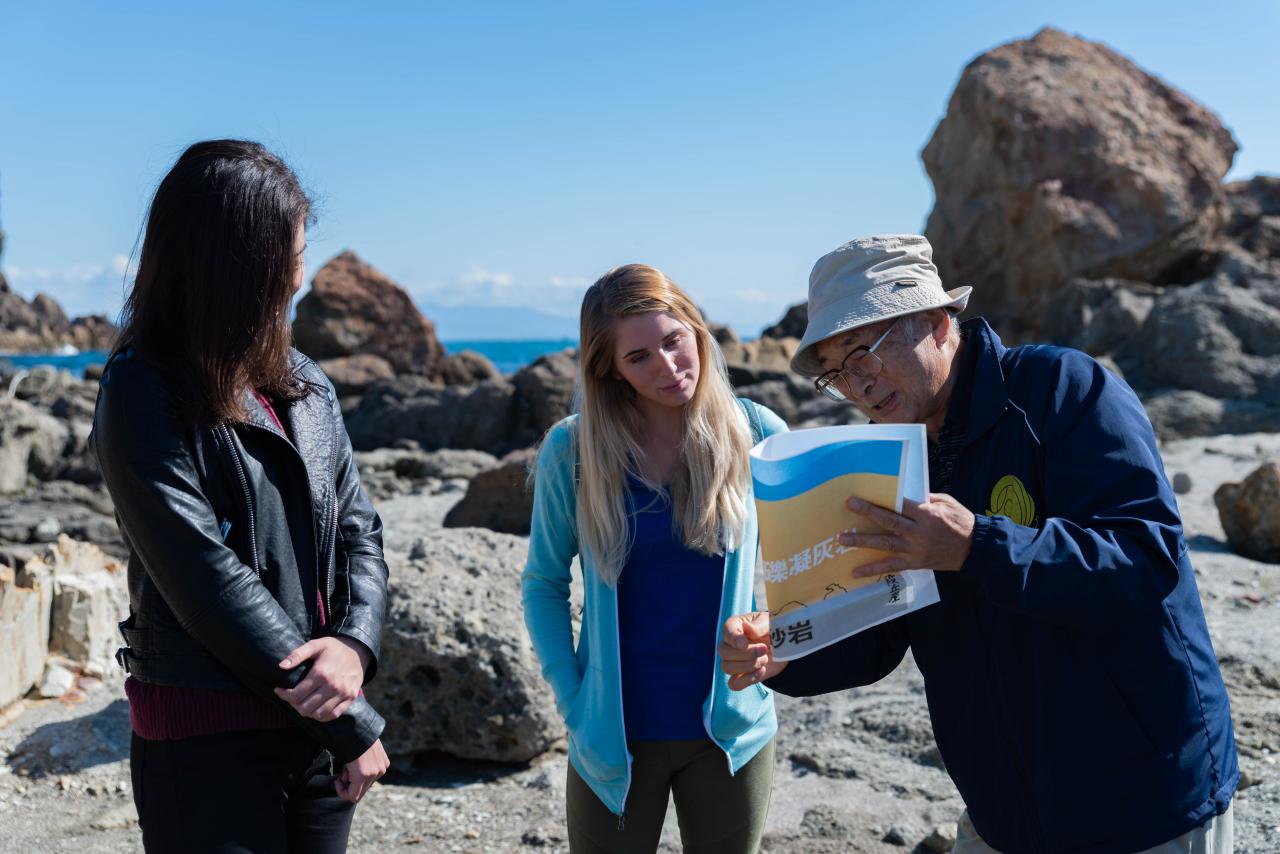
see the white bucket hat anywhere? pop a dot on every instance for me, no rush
(868, 280)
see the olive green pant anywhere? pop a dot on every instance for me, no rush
(718, 812)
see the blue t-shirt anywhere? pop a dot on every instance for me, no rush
(668, 624)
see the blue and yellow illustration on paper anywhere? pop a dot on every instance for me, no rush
(800, 504)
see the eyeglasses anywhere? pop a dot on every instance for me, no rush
(861, 363)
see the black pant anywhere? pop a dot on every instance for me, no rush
(260, 791)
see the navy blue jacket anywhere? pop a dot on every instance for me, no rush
(1073, 689)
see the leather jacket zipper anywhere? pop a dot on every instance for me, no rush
(248, 497)
(333, 560)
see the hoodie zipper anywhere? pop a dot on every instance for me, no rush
(248, 497)
(622, 715)
(706, 717)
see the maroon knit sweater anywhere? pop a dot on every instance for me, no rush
(167, 712)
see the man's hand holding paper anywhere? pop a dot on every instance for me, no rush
(802, 482)
(935, 534)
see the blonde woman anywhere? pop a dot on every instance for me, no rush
(649, 485)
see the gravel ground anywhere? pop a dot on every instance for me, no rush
(855, 772)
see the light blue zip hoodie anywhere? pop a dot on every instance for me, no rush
(587, 681)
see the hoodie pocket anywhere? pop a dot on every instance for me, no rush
(595, 741)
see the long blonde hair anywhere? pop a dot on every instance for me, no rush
(710, 488)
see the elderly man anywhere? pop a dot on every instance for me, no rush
(1073, 689)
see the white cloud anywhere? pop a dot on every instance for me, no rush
(756, 295)
(480, 277)
(79, 288)
(480, 287)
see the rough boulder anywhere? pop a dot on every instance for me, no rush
(1059, 158)
(353, 308)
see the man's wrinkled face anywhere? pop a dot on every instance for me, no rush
(914, 369)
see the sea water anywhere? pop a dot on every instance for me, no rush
(507, 356)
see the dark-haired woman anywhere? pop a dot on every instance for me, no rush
(257, 584)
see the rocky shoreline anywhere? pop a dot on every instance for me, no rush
(1130, 248)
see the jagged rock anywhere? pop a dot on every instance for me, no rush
(1183, 414)
(43, 386)
(792, 323)
(1215, 337)
(388, 472)
(25, 602)
(466, 367)
(353, 308)
(759, 360)
(1255, 216)
(89, 597)
(817, 411)
(496, 415)
(778, 395)
(544, 395)
(57, 680)
(895, 835)
(92, 332)
(828, 822)
(942, 838)
(458, 673)
(83, 512)
(41, 325)
(1098, 316)
(444, 464)
(500, 499)
(723, 333)
(48, 312)
(1059, 158)
(351, 375)
(1250, 513)
(479, 416)
(31, 441)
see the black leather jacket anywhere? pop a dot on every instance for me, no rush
(234, 533)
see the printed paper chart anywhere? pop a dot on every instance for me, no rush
(802, 481)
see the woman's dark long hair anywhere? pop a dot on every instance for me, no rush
(210, 303)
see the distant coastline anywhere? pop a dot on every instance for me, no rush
(507, 355)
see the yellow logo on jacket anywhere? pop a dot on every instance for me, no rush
(1010, 498)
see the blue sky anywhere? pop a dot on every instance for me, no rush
(493, 154)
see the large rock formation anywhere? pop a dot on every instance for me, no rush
(62, 600)
(353, 308)
(1060, 158)
(1081, 197)
(25, 604)
(458, 674)
(465, 416)
(496, 415)
(42, 326)
(1203, 356)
